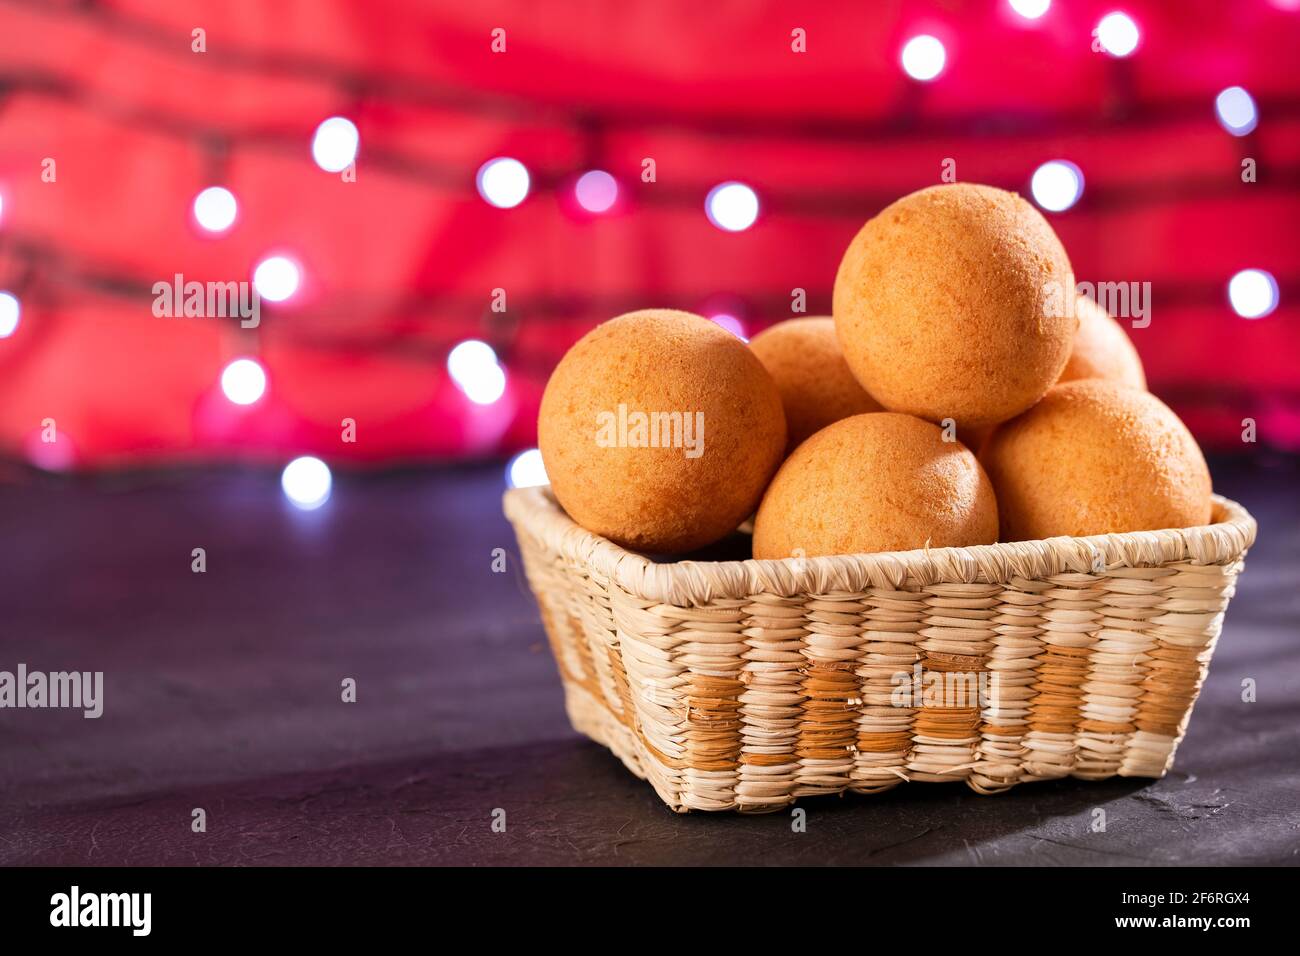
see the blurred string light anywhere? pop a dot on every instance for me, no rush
(57, 455)
(334, 147)
(215, 209)
(276, 278)
(503, 182)
(1057, 185)
(11, 311)
(473, 366)
(731, 324)
(468, 357)
(487, 387)
(1253, 293)
(1236, 111)
(243, 381)
(306, 482)
(1030, 9)
(526, 470)
(923, 57)
(1118, 34)
(731, 206)
(596, 190)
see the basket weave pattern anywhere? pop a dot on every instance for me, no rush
(747, 684)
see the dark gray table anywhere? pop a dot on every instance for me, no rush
(223, 693)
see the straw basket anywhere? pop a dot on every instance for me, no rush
(747, 684)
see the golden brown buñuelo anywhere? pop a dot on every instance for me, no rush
(876, 482)
(1102, 349)
(693, 485)
(1094, 457)
(949, 304)
(804, 359)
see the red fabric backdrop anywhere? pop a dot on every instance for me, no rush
(400, 265)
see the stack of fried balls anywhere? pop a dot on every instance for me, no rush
(952, 400)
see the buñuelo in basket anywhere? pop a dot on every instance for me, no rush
(979, 551)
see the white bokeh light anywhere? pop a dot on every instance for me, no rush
(486, 387)
(243, 381)
(474, 368)
(1118, 34)
(1253, 293)
(306, 482)
(11, 312)
(731, 324)
(732, 206)
(334, 147)
(468, 358)
(2, 206)
(526, 470)
(276, 278)
(1030, 9)
(1236, 111)
(503, 182)
(923, 57)
(596, 190)
(215, 209)
(1057, 185)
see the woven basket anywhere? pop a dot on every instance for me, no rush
(747, 684)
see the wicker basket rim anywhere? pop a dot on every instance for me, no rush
(694, 583)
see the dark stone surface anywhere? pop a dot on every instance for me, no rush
(222, 691)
